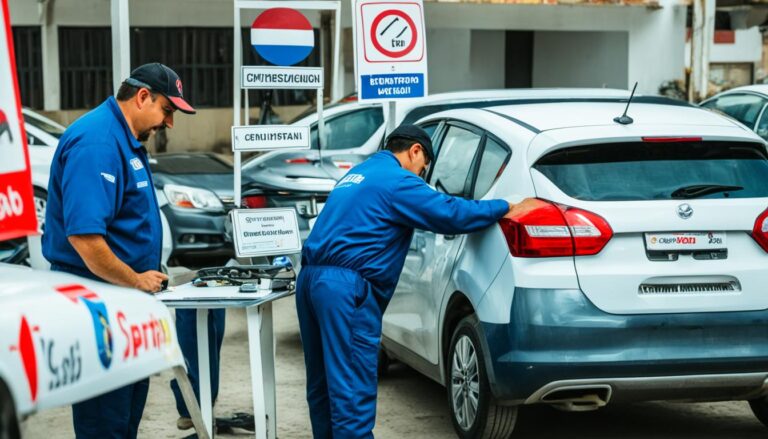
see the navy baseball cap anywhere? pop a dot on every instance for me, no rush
(418, 135)
(161, 79)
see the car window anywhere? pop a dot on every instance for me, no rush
(349, 130)
(492, 163)
(454, 160)
(658, 171)
(743, 107)
(762, 125)
(54, 130)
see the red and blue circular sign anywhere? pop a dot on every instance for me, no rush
(282, 36)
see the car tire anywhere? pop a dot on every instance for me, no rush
(474, 412)
(760, 409)
(9, 422)
(40, 198)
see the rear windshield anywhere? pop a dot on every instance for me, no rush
(659, 171)
(190, 164)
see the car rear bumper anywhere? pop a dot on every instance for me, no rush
(560, 337)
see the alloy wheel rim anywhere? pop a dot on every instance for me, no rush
(40, 205)
(465, 383)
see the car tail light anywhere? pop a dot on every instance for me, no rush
(671, 139)
(255, 201)
(298, 161)
(549, 230)
(760, 232)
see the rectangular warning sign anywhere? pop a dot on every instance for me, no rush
(269, 137)
(281, 77)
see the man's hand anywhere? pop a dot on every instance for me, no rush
(102, 262)
(523, 207)
(150, 281)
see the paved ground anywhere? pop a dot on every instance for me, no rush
(411, 406)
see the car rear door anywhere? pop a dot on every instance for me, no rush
(687, 221)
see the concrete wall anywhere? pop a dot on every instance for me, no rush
(580, 59)
(748, 47)
(656, 35)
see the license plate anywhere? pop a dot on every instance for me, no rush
(681, 241)
(312, 220)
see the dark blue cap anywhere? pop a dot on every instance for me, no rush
(161, 79)
(415, 133)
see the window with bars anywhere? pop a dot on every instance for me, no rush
(201, 56)
(85, 66)
(27, 46)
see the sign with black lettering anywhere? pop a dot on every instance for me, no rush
(269, 137)
(265, 232)
(390, 49)
(281, 77)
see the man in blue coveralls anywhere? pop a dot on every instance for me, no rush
(103, 221)
(350, 266)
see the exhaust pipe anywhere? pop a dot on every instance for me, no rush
(578, 398)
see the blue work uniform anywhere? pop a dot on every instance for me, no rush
(351, 263)
(100, 184)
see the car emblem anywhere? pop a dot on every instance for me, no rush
(685, 211)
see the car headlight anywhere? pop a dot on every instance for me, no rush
(185, 197)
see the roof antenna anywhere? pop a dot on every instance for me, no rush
(624, 119)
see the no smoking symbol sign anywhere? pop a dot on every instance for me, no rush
(393, 32)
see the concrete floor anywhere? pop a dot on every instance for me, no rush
(411, 406)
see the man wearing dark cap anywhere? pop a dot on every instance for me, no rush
(350, 266)
(102, 218)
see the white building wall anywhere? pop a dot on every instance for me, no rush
(580, 59)
(465, 40)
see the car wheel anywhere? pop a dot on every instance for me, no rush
(41, 201)
(9, 423)
(760, 409)
(474, 412)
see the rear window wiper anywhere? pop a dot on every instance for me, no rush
(700, 190)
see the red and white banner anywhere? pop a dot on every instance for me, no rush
(17, 209)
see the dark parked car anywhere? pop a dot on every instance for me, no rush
(195, 192)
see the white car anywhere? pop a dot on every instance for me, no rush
(65, 339)
(746, 104)
(640, 275)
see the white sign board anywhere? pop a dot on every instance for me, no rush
(265, 232)
(269, 137)
(281, 77)
(390, 49)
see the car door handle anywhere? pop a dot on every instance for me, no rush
(449, 237)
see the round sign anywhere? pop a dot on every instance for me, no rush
(282, 36)
(393, 33)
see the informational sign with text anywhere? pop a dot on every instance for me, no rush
(265, 232)
(390, 49)
(281, 77)
(270, 137)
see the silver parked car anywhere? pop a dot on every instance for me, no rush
(639, 276)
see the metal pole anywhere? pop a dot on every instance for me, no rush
(121, 43)
(391, 115)
(237, 63)
(336, 93)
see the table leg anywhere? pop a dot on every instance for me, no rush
(204, 369)
(261, 350)
(190, 401)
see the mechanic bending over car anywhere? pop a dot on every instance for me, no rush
(351, 262)
(103, 220)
